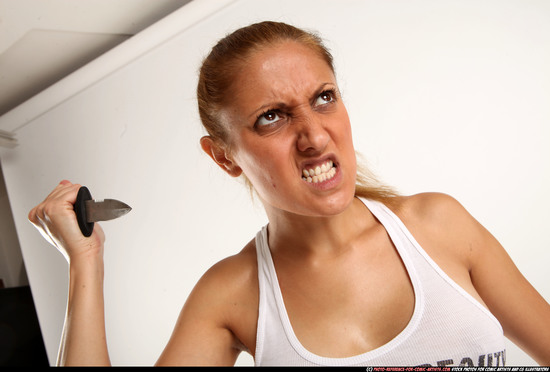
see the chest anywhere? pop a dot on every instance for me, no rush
(351, 304)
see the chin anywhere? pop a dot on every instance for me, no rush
(337, 206)
(311, 202)
(328, 206)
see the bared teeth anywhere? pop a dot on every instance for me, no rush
(320, 173)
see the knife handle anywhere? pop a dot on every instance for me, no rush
(80, 210)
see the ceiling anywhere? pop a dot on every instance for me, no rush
(42, 41)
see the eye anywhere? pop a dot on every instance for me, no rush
(325, 97)
(268, 118)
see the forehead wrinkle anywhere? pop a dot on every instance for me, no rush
(279, 80)
(290, 90)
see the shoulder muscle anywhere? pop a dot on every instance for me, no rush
(443, 225)
(212, 326)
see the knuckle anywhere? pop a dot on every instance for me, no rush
(32, 215)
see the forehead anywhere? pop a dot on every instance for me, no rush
(281, 71)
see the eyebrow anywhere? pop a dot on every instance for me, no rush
(279, 105)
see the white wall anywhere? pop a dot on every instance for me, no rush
(444, 95)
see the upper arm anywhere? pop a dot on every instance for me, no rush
(522, 311)
(203, 335)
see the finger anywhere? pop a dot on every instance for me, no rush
(68, 194)
(65, 193)
(31, 216)
(64, 184)
(60, 185)
(58, 203)
(99, 231)
(36, 215)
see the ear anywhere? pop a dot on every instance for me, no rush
(219, 154)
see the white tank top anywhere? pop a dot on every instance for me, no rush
(448, 326)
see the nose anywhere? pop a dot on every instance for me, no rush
(312, 136)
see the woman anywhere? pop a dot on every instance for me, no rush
(345, 273)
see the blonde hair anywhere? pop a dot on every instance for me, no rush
(228, 56)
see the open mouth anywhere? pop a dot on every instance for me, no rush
(319, 173)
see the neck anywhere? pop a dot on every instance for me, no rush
(302, 237)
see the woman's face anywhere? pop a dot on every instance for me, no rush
(290, 133)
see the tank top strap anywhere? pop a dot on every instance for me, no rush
(470, 336)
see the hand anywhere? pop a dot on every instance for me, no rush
(56, 221)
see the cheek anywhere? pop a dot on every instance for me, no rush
(258, 168)
(267, 168)
(342, 132)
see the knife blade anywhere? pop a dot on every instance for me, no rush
(88, 210)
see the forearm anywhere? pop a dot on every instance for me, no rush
(84, 339)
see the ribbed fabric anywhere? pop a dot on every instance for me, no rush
(448, 326)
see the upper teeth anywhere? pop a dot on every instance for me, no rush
(320, 173)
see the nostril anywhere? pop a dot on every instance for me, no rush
(312, 143)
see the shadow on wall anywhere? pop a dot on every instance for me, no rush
(21, 342)
(12, 268)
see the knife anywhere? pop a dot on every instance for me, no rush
(89, 210)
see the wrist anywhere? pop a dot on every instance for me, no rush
(86, 274)
(86, 264)
(88, 251)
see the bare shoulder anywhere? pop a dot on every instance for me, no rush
(429, 206)
(218, 320)
(236, 273)
(443, 227)
(475, 259)
(230, 284)
(435, 213)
